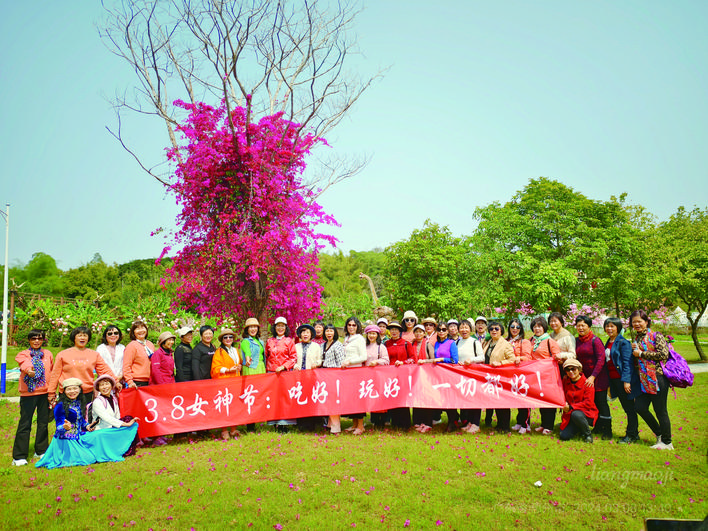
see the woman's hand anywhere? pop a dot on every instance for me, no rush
(130, 422)
(627, 388)
(590, 382)
(248, 360)
(566, 408)
(67, 425)
(31, 373)
(280, 369)
(421, 362)
(398, 363)
(495, 364)
(517, 361)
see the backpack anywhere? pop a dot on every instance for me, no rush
(676, 370)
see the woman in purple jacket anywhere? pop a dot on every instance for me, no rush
(590, 351)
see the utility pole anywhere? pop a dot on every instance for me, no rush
(3, 368)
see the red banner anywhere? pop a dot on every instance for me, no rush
(206, 404)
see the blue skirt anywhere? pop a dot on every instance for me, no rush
(97, 446)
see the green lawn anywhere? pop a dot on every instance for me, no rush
(380, 480)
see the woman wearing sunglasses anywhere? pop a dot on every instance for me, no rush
(446, 352)
(580, 411)
(112, 351)
(410, 319)
(497, 352)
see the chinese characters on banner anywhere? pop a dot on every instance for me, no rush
(207, 404)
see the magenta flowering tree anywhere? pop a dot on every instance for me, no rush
(248, 229)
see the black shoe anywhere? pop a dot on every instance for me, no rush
(628, 439)
(588, 439)
(607, 436)
(451, 426)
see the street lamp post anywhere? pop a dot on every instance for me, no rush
(3, 367)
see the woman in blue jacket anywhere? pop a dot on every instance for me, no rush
(624, 378)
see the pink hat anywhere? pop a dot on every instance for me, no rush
(372, 328)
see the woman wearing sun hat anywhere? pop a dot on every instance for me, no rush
(309, 353)
(252, 348)
(580, 411)
(280, 356)
(410, 319)
(252, 354)
(226, 363)
(309, 356)
(162, 362)
(108, 444)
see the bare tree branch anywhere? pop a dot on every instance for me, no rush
(266, 55)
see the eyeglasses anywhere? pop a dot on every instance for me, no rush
(228, 337)
(409, 319)
(112, 333)
(514, 326)
(442, 329)
(571, 369)
(495, 329)
(37, 338)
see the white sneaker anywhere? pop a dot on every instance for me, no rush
(522, 431)
(662, 446)
(473, 428)
(516, 427)
(19, 462)
(38, 456)
(658, 442)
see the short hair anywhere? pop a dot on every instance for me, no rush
(355, 320)
(640, 313)
(80, 330)
(615, 321)
(583, 318)
(35, 333)
(104, 339)
(557, 315)
(521, 327)
(204, 328)
(540, 320)
(496, 323)
(134, 327)
(330, 326)
(272, 330)
(465, 321)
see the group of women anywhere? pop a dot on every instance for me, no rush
(631, 372)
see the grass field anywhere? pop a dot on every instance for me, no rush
(384, 479)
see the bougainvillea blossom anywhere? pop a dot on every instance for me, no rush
(247, 234)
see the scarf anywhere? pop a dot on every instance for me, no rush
(537, 340)
(233, 354)
(38, 380)
(587, 337)
(148, 352)
(305, 346)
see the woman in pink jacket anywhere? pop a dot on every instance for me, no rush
(35, 366)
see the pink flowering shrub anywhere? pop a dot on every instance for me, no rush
(247, 235)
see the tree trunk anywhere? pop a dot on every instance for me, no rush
(694, 331)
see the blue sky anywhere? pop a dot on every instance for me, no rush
(607, 97)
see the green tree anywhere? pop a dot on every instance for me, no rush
(680, 254)
(550, 246)
(427, 272)
(41, 275)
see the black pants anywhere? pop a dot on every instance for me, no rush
(452, 416)
(523, 416)
(400, 417)
(604, 419)
(503, 419)
(579, 423)
(423, 416)
(471, 416)
(617, 387)
(28, 405)
(661, 425)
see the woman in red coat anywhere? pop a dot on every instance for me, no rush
(580, 411)
(280, 356)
